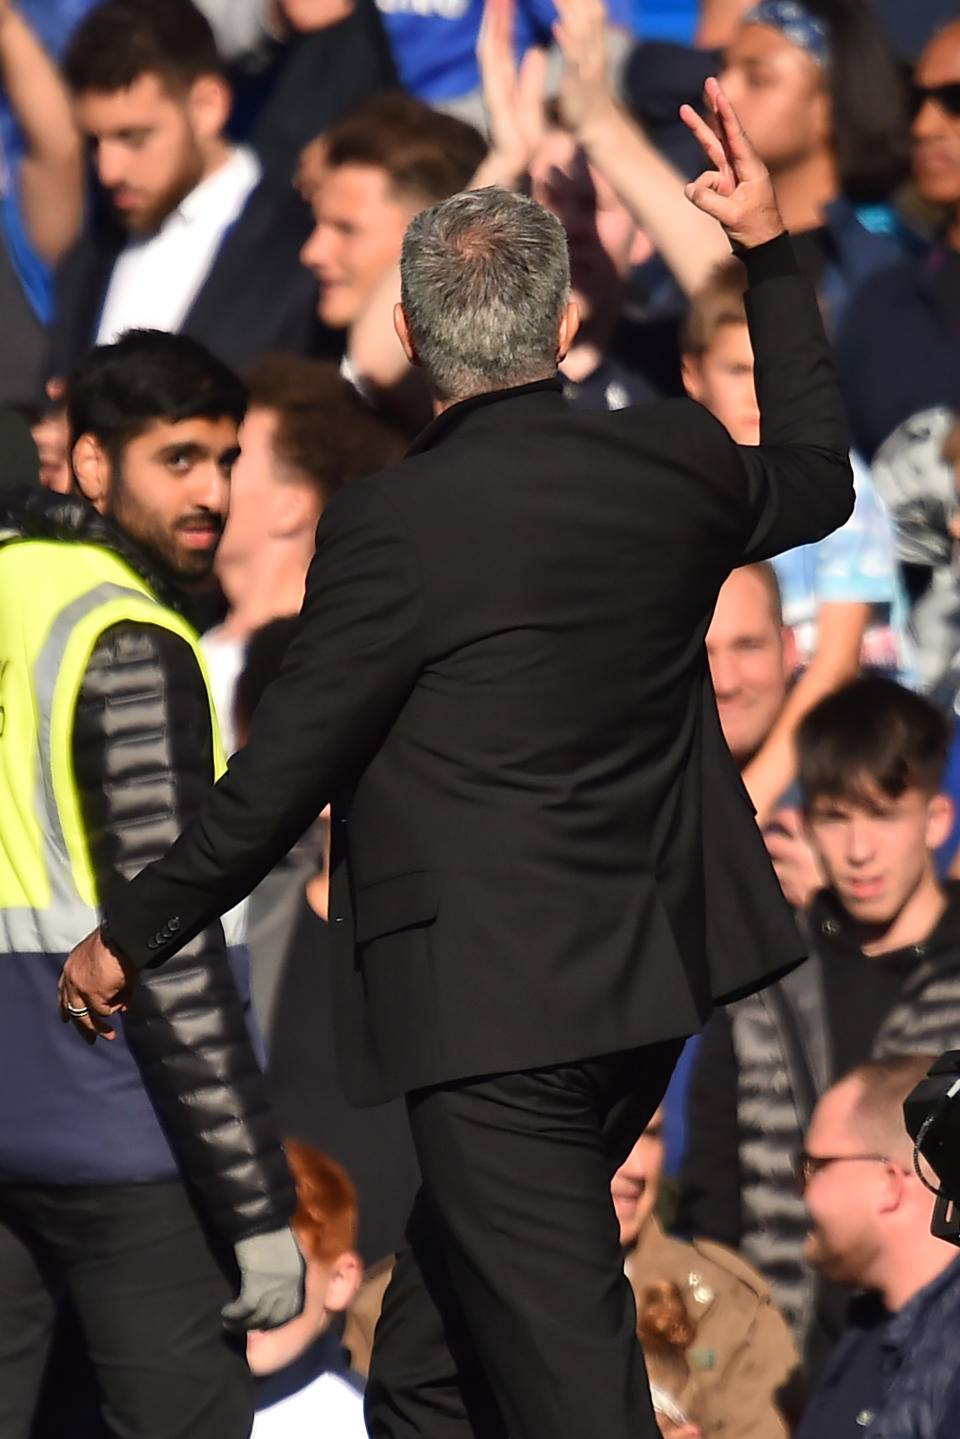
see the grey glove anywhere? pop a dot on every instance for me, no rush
(271, 1282)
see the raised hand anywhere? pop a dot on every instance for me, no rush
(581, 33)
(512, 96)
(739, 192)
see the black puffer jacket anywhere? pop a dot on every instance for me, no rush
(143, 756)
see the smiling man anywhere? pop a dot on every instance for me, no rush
(193, 239)
(869, 1215)
(107, 743)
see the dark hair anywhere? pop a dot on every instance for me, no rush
(262, 659)
(121, 40)
(871, 137)
(872, 732)
(423, 152)
(119, 390)
(325, 432)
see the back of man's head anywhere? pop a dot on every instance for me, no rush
(872, 736)
(424, 153)
(121, 40)
(118, 391)
(485, 282)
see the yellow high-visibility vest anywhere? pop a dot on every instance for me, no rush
(56, 599)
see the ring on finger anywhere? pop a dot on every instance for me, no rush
(77, 1011)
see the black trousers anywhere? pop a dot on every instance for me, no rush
(137, 1268)
(509, 1312)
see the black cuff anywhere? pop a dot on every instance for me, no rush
(770, 261)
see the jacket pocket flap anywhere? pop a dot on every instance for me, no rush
(399, 902)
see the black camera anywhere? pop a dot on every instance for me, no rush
(932, 1116)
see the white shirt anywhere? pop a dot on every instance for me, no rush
(329, 1407)
(156, 278)
(225, 659)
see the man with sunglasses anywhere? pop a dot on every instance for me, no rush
(870, 1214)
(899, 346)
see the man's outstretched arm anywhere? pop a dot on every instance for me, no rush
(349, 669)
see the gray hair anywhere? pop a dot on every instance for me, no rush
(485, 279)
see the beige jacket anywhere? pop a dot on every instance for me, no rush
(743, 1353)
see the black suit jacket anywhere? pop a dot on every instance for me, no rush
(256, 296)
(542, 848)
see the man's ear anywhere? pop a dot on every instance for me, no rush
(940, 817)
(692, 376)
(208, 106)
(91, 466)
(344, 1281)
(403, 333)
(567, 332)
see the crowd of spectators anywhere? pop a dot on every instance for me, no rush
(242, 172)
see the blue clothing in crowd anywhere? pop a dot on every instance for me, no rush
(856, 564)
(434, 42)
(891, 1376)
(52, 21)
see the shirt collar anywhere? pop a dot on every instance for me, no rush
(224, 192)
(449, 419)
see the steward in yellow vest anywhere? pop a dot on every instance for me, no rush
(144, 1176)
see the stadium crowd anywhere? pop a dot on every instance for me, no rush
(202, 207)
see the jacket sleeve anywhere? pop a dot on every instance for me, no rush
(143, 760)
(350, 667)
(799, 479)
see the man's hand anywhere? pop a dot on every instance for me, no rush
(585, 93)
(271, 1282)
(739, 192)
(797, 867)
(95, 984)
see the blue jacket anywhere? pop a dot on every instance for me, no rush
(910, 1361)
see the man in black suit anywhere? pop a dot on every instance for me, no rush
(545, 870)
(193, 238)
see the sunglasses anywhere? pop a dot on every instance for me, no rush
(946, 96)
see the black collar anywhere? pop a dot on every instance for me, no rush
(447, 420)
(37, 513)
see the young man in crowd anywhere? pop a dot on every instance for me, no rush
(303, 1384)
(306, 434)
(883, 976)
(192, 239)
(891, 1371)
(109, 741)
(388, 160)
